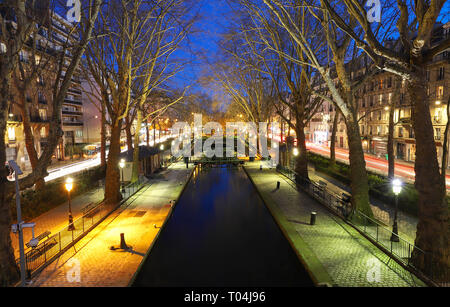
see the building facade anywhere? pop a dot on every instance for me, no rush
(39, 54)
(375, 100)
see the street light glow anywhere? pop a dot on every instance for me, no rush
(295, 151)
(396, 186)
(69, 184)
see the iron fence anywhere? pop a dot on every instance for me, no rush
(52, 247)
(402, 250)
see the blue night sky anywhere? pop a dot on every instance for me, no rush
(201, 47)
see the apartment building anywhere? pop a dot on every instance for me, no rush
(376, 98)
(52, 35)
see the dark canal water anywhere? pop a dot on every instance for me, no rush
(221, 234)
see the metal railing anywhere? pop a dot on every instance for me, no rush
(55, 245)
(402, 250)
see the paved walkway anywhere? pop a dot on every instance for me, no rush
(349, 258)
(58, 218)
(91, 262)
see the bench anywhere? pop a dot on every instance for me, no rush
(89, 211)
(40, 237)
(42, 248)
(86, 208)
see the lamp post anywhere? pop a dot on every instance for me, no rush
(122, 165)
(69, 186)
(396, 188)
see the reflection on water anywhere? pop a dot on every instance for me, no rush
(221, 234)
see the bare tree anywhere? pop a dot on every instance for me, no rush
(265, 39)
(415, 22)
(17, 24)
(341, 93)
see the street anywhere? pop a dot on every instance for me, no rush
(378, 165)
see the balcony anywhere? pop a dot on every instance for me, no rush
(77, 102)
(71, 112)
(72, 123)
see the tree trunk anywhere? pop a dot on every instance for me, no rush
(333, 139)
(433, 226)
(129, 135)
(148, 134)
(390, 143)
(112, 184)
(103, 137)
(9, 272)
(358, 174)
(301, 162)
(29, 142)
(135, 174)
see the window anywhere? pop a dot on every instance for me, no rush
(11, 133)
(2, 48)
(43, 132)
(79, 133)
(400, 132)
(439, 92)
(441, 73)
(23, 56)
(437, 133)
(43, 114)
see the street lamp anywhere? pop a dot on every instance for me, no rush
(122, 165)
(69, 186)
(295, 151)
(161, 147)
(396, 188)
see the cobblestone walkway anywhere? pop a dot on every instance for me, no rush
(349, 258)
(91, 262)
(407, 223)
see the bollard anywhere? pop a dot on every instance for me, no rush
(278, 185)
(313, 218)
(260, 167)
(123, 245)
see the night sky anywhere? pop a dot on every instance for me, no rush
(201, 46)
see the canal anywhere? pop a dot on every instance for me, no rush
(221, 234)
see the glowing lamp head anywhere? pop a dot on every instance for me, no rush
(295, 152)
(161, 147)
(396, 186)
(122, 163)
(69, 184)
